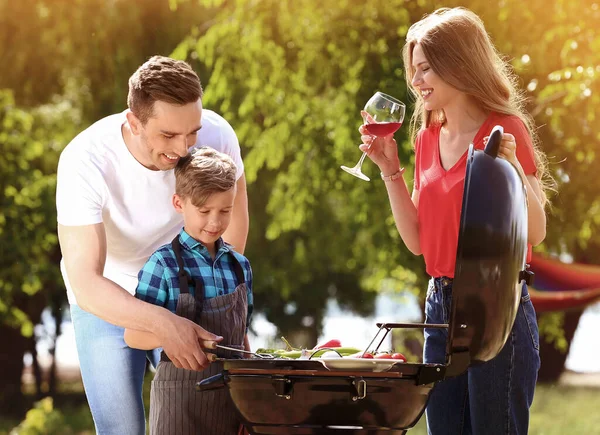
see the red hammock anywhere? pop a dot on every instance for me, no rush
(562, 300)
(563, 286)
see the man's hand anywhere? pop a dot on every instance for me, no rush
(182, 342)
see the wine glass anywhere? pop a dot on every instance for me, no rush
(388, 114)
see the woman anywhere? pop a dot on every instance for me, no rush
(463, 89)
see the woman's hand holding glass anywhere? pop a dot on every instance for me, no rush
(382, 150)
(382, 116)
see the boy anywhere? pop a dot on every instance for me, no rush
(199, 277)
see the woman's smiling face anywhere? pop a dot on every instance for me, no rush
(434, 91)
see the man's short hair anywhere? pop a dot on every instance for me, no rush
(202, 173)
(162, 79)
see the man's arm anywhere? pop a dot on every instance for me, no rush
(84, 254)
(146, 341)
(237, 232)
(143, 340)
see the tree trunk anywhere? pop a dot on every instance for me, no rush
(14, 345)
(553, 360)
(35, 367)
(300, 338)
(57, 314)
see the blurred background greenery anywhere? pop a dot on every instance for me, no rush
(291, 77)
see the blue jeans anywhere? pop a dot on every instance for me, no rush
(489, 398)
(112, 373)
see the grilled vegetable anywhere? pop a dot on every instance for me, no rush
(295, 354)
(288, 346)
(343, 351)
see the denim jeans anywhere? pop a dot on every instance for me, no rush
(489, 398)
(112, 373)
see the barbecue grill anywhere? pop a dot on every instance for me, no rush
(369, 396)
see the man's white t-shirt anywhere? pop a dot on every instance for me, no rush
(99, 181)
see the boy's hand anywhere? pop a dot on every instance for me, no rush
(182, 342)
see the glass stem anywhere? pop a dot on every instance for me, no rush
(362, 159)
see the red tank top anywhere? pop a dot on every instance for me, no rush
(441, 190)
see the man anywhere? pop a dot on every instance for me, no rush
(114, 189)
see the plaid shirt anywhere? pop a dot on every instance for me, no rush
(158, 282)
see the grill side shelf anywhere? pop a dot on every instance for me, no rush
(413, 325)
(431, 373)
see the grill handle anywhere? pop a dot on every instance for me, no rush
(215, 382)
(493, 145)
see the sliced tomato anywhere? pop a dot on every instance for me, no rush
(359, 355)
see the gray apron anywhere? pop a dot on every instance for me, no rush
(175, 406)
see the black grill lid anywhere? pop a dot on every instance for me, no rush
(491, 254)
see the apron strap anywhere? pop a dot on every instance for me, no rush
(239, 271)
(185, 279)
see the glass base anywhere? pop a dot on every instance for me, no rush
(356, 172)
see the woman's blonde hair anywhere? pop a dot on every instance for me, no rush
(459, 50)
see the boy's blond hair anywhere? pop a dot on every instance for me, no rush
(202, 173)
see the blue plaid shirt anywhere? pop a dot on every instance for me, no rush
(159, 283)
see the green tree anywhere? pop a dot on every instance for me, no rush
(30, 142)
(66, 64)
(92, 46)
(559, 61)
(291, 77)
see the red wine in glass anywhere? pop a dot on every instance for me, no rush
(381, 129)
(386, 114)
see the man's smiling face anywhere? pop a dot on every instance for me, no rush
(169, 133)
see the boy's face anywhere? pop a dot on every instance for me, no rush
(208, 222)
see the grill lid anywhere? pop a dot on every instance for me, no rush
(490, 259)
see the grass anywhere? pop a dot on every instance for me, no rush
(556, 410)
(565, 410)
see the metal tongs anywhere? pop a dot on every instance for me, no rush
(389, 326)
(211, 345)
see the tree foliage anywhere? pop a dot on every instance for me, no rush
(65, 64)
(291, 78)
(554, 47)
(27, 218)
